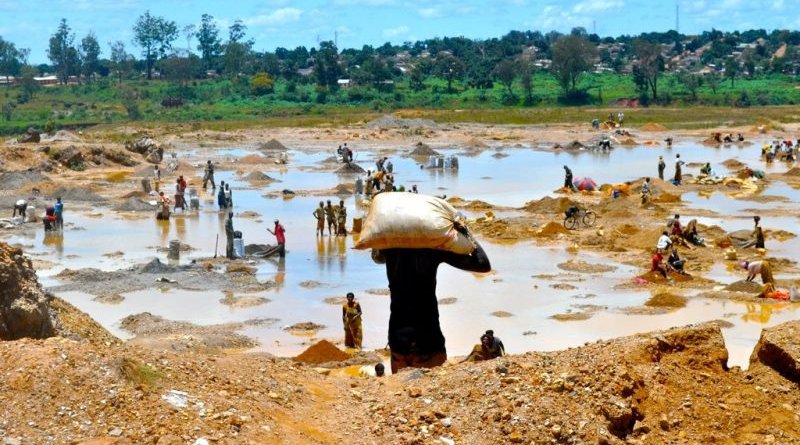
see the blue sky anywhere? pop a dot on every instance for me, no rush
(273, 23)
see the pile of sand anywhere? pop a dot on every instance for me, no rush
(322, 352)
(666, 299)
(549, 205)
(652, 126)
(252, 159)
(627, 229)
(257, 176)
(272, 145)
(645, 239)
(617, 208)
(350, 167)
(581, 266)
(749, 287)
(475, 143)
(794, 171)
(423, 150)
(733, 164)
(552, 229)
(344, 189)
(627, 141)
(666, 198)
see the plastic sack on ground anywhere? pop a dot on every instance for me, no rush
(413, 221)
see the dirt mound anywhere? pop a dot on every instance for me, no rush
(272, 145)
(749, 287)
(156, 266)
(552, 229)
(75, 194)
(574, 145)
(350, 167)
(549, 205)
(666, 198)
(794, 171)
(475, 144)
(133, 204)
(24, 306)
(322, 352)
(344, 189)
(652, 126)
(423, 150)
(667, 300)
(734, 164)
(135, 194)
(628, 142)
(389, 122)
(627, 229)
(258, 176)
(645, 239)
(17, 179)
(617, 208)
(252, 159)
(581, 266)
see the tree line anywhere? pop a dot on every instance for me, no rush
(192, 52)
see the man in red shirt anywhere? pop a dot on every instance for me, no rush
(280, 237)
(659, 266)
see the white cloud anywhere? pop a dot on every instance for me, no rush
(428, 12)
(777, 4)
(277, 17)
(395, 32)
(597, 5)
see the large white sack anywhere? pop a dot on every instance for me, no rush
(413, 221)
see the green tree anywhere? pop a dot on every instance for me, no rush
(189, 31)
(90, 55)
(236, 50)
(731, 69)
(208, 42)
(11, 59)
(419, 73)
(525, 69)
(155, 36)
(177, 69)
(28, 82)
(120, 59)
(261, 84)
(62, 52)
(650, 64)
(572, 56)
(712, 80)
(450, 68)
(326, 65)
(505, 72)
(692, 83)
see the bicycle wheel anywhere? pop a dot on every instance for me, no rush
(571, 222)
(589, 218)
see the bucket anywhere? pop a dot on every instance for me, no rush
(174, 250)
(238, 247)
(356, 225)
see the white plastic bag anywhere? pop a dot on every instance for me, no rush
(413, 221)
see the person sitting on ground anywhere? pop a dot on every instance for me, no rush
(497, 348)
(728, 138)
(20, 207)
(646, 191)
(482, 351)
(675, 261)
(372, 371)
(691, 234)
(739, 137)
(657, 265)
(664, 241)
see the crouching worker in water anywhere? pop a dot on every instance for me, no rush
(415, 337)
(490, 347)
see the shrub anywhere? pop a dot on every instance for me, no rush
(261, 84)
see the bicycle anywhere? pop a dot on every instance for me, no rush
(575, 216)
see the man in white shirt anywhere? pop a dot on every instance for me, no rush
(663, 242)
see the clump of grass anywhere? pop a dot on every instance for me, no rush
(142, 375)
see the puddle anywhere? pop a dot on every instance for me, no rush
(523, 175)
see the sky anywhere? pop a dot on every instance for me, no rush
(354, 23)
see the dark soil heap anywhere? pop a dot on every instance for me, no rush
(273, 145)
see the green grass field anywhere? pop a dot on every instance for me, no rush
(225, 104)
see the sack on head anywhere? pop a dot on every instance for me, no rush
(399, 220)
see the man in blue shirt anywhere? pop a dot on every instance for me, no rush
(59, 207)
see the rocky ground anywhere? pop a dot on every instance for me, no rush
(70, 382)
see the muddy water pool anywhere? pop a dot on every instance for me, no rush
(319, 268)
